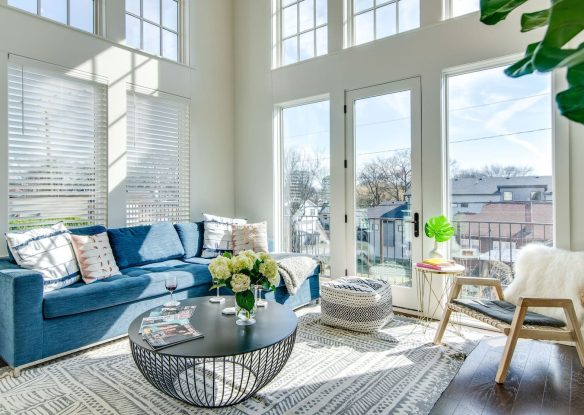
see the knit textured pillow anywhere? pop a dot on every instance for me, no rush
(252, 236)
(48, 251)
(95, 257)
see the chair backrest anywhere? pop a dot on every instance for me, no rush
(542, 271)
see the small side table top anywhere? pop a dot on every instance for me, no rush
(451, 270)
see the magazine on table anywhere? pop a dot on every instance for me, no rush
(173, 319)
(168, 333)
(184, 311)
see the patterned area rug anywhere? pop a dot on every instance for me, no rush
(331, 371)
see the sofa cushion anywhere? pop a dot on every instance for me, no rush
(191, 237)
(136, 283)
(142, 245)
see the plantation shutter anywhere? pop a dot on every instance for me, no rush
(57, 148)
(157, 183)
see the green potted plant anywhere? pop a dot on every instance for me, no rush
(439, 229)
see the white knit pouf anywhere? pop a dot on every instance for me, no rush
(354, 303)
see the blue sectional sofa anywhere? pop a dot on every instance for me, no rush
(35, 327)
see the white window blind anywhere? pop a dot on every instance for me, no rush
(57, 148)
(157, 183)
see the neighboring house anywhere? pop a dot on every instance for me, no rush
(324, 216)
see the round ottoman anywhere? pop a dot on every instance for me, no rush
(354, 303)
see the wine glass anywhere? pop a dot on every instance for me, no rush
(217, 299)
(171, 284)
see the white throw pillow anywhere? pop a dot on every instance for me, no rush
(541, 271)
(218, 232)
(252, 236)
(48, 251)
(95, 257)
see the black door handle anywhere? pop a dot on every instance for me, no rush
(416, 224)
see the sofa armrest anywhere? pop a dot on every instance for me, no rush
(21, 314)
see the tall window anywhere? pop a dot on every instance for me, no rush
(76, 13)
(57, 149)
(157, 183)
(500, 156)
(305, 180)
(376, 19)
(303, 30)
(153, 26)
(460, 7)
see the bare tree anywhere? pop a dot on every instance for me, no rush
(385, 179)
(398, 172)
(372, 184)
(302, 178)
(493, 170)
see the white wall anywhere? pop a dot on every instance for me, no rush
(426, 52)
(207, 82)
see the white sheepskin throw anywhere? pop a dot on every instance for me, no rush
(541, 271)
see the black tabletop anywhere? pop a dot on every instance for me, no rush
(222, 337)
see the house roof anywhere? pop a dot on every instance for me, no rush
(387, 210)
(491, 185)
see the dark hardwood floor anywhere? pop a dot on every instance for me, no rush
(544, 378)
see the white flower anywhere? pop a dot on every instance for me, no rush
(242, 262)
(219, 268)
(240, 283)
(269, 269)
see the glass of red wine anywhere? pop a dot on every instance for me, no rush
(171, 284)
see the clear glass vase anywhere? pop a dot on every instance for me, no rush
(245, 317)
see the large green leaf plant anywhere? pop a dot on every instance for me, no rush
(564, 20)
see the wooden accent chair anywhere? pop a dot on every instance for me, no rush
(517, 329)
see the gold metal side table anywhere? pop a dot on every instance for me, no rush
(424, 277)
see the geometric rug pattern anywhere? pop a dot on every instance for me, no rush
(331, 371)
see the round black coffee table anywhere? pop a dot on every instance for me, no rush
(229, 364)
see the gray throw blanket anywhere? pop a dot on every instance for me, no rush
(294, 268)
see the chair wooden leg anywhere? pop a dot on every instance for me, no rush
(442, 326)
(576, 332)
(505, 362)
(16, 372)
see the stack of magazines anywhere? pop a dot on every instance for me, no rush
(168, 326)
(437, 264)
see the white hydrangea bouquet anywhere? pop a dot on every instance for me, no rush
(242, 273)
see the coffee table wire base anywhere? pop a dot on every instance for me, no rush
(215, 381)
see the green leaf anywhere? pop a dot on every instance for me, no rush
(227, 255)
(493, 11)
(535, 20)
(571, 103)
(576, 75)
(439, 228)
(546, 59)
(566, 20)
(524, 65)
(245, 300)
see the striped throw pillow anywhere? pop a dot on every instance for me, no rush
(48, 251)
(95, 257)
(218, 233)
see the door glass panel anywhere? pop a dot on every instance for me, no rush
(383, 180)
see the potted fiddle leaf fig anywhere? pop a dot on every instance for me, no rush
(439, 229)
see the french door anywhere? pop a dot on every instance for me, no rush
(383, 185)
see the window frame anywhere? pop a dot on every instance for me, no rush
(279, 160)
(448, 10)
(560, 147)
(279, 39)
(350, 21)
(180, 29)
(97, 16)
